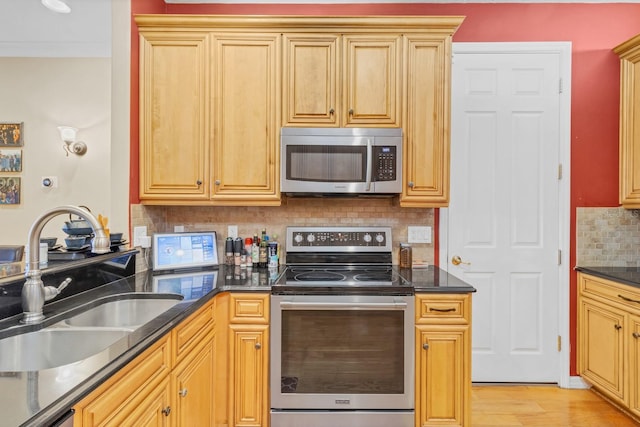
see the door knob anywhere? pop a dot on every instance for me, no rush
(456, 260)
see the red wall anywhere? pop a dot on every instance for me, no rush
(593, 29)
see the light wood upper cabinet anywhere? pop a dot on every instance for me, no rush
(629, 53)
(246, 164)
(174, 110)
(350, 80)
(426, 121)
(215, 90)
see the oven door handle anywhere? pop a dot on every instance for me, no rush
(290, 305)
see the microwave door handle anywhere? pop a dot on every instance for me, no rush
(369, 164)
(289, 305)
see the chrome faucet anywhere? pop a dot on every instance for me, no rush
(34, 293)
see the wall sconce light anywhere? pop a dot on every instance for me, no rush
(56, 5)
(68, 136)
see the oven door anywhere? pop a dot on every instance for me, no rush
(342, 352)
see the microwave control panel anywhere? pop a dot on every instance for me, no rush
(384, 163)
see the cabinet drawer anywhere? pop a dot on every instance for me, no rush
(449, 308)
(249, 308)
(191, 330)
(623, 296)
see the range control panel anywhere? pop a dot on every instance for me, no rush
(339, 239)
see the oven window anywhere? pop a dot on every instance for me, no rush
(332, 163)
(342, 351)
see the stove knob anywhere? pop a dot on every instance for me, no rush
(367, 237)
(311, 238)
(379, 238)
(298, 238)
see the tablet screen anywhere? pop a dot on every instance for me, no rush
(173, 251)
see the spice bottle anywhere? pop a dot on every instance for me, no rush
(228, 251)
(263, 250)
(405, 255)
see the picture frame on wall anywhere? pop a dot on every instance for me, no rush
(10, 160)
(11, 134)
(10, 190)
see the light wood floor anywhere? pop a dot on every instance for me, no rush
(542, 405)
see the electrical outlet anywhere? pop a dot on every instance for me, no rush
(138, 234)
(419, 234)
(178, 228)
(232, 231)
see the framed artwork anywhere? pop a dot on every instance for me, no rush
(11, 134)
(10, 160)
(10, 190)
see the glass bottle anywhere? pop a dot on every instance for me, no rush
(263, 251)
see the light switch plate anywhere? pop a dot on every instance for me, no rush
(138, 233)
(178, 228)
(232, 231)
(419, 234)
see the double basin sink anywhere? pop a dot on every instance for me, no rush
(82, 335)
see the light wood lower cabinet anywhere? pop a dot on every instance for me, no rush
(443, 360)
(609, 339)
(171, 383)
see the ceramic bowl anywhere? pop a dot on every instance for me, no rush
(77, 242)
(115, 237)
(50, 241)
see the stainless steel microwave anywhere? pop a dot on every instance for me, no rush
(341, 161)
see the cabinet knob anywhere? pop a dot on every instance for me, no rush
(425, 346)
(618, 327)
(351, 111)
(217, 182)
(331, 111)
(199, 183)
(411, 184)
(636, 335)
(183, 392)
(258, 346)
(166, 411)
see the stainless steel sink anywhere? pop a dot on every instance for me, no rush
(53, 347)
(125, 313)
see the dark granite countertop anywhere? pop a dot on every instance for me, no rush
(627, 275)
(39, 398)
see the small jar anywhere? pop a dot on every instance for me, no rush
(405, 255)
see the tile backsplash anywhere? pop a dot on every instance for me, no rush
(608, 237)
(293, 211)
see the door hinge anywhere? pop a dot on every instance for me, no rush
(559, 343)
(559, 171)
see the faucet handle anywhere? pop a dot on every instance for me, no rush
(51, 292)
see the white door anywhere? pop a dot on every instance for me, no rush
(503, 221)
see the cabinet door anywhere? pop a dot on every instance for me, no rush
(442, 376)
(174, 109)
(153, 411)
(246, 163)
(310, 70)
(193, 385)
(634, 365)
(426, 122)
(372, 77)
(249, 364)
(601, 347)
(629, 123)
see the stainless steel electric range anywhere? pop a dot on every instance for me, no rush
(342, 332)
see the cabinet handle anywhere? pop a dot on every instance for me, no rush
(410, 184)
(628, 299)
(425, 346)
(199, 183)
(618, 327)
(166, 411)
(331, 111)
(183, 392)
(442, 310)
(217, 182)
(258, 346)
(636, 335)
(351, 111)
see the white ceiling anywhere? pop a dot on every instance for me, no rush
(27, 28)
